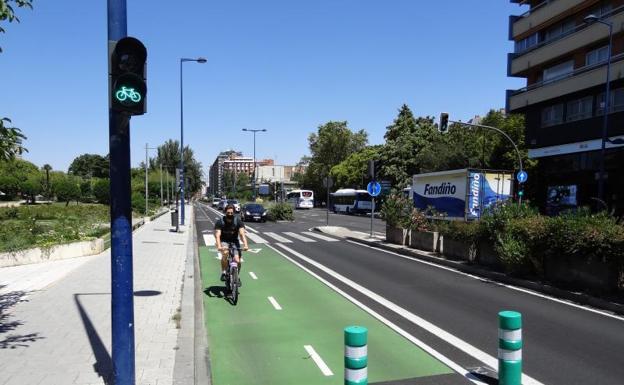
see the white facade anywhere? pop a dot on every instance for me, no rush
(270, 174)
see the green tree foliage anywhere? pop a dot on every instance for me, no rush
(406, 140)
(13, 176)
(46, 188)
(32, 186)
(330, 145)
(90, 166)
(101, 191)
(10, 141)
(353, 171)
(7, 11)
(66, 189)
(237, 185)
(168, 155)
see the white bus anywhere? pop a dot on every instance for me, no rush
(301, 199)
(351, 201)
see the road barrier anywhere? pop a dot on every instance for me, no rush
(509, 348)
(356, 355)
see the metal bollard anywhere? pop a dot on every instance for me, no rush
(356, 355)
(509, 348)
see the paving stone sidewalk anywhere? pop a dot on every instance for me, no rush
(55, 317)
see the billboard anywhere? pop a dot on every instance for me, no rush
(444, 191)
(263, 189)
(485, 189)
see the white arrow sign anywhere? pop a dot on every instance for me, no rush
(255, 251)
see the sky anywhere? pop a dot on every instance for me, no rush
(282, 65)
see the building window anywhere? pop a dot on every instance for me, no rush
(601, 9)
(558, 71)
(579, 109)
(560, 30)
(552, 115)
(526, 43)
(616, 102)
(597, 56)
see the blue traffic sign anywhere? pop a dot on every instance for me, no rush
(373, 188)
(522, 176)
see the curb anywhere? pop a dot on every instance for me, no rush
(580, 298)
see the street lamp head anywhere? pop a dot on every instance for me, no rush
(201, 60)
(244, 129)
(591, 18)
(263, 130)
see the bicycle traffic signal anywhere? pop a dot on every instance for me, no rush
(443, 127)
(127, 77)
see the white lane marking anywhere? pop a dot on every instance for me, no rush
(247, 227)
(278, 238)
(206, 231)
(274, 303)
(522, 290)
(319, 236)
(209, 240)
(431, 328)
(256, 238)
(318, 360)
(299, 237)
(255, 251)
(253, 275)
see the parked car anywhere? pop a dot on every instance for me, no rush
(254, 212)
(235, 203)
(215, 202)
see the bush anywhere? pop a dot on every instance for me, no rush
(397, 211)
(281, 211)
(101, 191)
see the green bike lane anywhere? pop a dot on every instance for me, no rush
(254, 343)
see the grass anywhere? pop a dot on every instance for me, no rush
(48, 225)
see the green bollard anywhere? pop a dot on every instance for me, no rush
(356, 355)
(509, 348)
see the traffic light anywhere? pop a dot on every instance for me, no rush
(443, 127)
(520, 192)
(127, 77)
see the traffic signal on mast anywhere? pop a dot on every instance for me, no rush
(443, 127)
(127, 77)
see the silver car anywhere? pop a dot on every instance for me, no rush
(234, 203)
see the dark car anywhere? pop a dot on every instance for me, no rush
(253, 212)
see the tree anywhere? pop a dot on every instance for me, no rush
(7, 12)
(353, 171)
(32, 186)
(47, 168)
(90, 166)
(406, 139)
(13, 174)
(168, 155)
(101, 191)
(330, 145)
(10, 139)
(66, 189)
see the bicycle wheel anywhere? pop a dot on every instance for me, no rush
(234, 284)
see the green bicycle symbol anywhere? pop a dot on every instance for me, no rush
(128, 93)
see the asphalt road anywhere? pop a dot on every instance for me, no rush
(563, 344)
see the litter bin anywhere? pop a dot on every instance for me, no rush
(174, 218)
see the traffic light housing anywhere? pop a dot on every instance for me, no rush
(127, 77)
(443, 127)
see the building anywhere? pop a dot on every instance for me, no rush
(563, 57)
(215, 174)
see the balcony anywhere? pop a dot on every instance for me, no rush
(580, 79)
(542, 13)
(564, 45)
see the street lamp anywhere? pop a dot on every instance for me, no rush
(146, 181)
(254, 159)
(182, 60)
(589, 20)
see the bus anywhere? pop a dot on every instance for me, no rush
(351, 201)
(301, 199)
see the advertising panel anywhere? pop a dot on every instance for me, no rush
(263, 189)
(444, 191)
(485, 189)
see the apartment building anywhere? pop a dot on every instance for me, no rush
(563, 56)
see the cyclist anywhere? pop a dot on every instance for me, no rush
(227, 231)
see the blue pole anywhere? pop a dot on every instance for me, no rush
(122, 302)
(181, 149)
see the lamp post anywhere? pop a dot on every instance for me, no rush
(146, 174)
(182, 60)
(594, 19)
(254, 158)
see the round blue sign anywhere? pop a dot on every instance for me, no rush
(522, 176)
(373, 188)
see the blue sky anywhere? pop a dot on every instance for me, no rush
(285, 66)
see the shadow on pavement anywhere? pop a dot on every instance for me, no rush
(103, 362)
(7, 301)
(219, 292)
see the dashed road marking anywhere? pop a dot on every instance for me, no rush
(274, 303)
(209, 240)
(251, 273)
(318, 361)
(256, 238)
(299, 237)
(319, 236)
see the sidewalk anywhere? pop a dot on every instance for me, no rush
(55, 317)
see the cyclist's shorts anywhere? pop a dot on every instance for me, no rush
(237, 246)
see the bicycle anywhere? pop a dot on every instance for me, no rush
(231, 275)
(128, 93)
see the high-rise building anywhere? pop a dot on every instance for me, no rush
(563, 55)
(215, 174)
